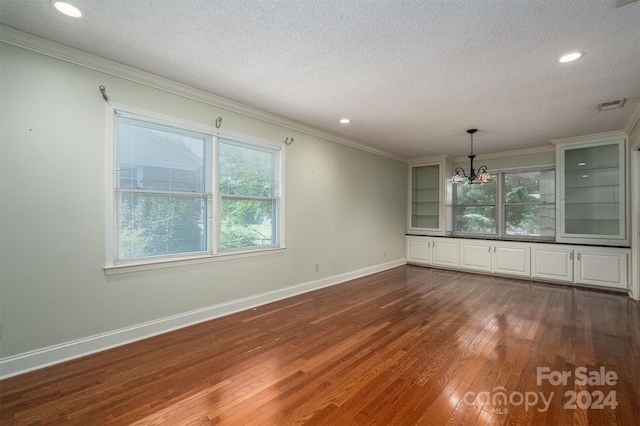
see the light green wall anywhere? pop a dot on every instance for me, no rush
(345, 209)
(517, 160)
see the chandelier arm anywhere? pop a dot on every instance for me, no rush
(460, 170)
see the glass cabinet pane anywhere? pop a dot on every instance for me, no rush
(592, 177)
(425, 197)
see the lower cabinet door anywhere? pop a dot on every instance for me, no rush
(418, 250)
(607, 268)
(512, 259)
(475, 255)
(552, 263)
(445, 253)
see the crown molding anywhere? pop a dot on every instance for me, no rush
(430, 159)
(49, 48)
(525, 151)
(592, 138)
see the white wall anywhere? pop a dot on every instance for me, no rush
(345, 209)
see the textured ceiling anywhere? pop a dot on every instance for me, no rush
(412, 75)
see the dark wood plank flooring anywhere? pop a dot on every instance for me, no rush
(406, 346)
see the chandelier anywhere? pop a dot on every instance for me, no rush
(471, 176)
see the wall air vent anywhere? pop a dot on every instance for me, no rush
(605, 106)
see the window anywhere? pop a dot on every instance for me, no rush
(516, 204)
(529, 203)
(166, 205)
(162, 189)
(248, 188)
(476, 208)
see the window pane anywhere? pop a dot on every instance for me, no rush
(246, 170)
(530, 203)
(156, 157)
(530, 220)
(475, 211)
(156, 225)
(530, 187)
(476, 219)
(247, 223)
(482, 193)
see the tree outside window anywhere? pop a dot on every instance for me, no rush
(248, 187)
(166, 202)
(515, 204)
(476, 208)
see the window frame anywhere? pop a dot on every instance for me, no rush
(276, 185)
(496, 205)
(500, 205)
(504, 204)
(113, 265)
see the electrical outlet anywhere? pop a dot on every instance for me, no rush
(317, 267)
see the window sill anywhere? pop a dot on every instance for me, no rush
(125, 268)
(513, 238)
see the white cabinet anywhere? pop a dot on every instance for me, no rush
(430, 196)
(552, 262)
(591, 195)
(475, 255)
(601, 267)
(512, 259)
(593, 266)
(445, 252)
(418, 250)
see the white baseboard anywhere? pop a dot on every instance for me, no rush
(40, 358)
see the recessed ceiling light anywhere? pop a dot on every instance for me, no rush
(571, 57)
(66, 8)
(582, 164)
(345, 121)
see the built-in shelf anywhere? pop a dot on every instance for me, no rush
(591, 191)
(427, 192)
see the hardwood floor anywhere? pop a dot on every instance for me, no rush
(406, 346)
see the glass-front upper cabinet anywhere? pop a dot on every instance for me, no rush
(428, 194)
(591, 176)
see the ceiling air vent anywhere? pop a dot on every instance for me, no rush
(605, 106)
(620, 3)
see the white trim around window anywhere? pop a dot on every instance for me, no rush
(209, 250)
(501, 205)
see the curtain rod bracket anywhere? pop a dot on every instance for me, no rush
(104, 94)
(286, 141)
(218, 122)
